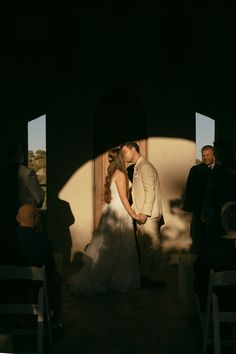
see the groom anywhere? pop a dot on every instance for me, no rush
(147, 204)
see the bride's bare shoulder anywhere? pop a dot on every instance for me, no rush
(118, 174)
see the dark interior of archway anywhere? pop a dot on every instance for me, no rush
(119, 117)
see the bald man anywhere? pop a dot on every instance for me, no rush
(27, 216)
(36, 250)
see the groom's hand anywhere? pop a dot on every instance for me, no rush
(142, 218)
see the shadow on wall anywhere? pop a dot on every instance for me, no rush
(175, 233)
(65, 219)
(116, 117)
(78, 193)
(173, 158)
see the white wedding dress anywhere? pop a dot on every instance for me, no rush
(110, 261)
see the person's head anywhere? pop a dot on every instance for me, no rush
(115, 163)
(115, 160)
(130, 151)
(14, 152)
(27, 216)
(208, 157)
(228, 217)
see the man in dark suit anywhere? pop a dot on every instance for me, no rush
(221, 188)
(195, 191)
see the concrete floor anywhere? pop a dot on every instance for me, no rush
(142, 321)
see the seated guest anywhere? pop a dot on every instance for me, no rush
(36, 250)
(220, 257)
(20, 185)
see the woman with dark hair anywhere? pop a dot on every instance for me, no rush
(110, 261)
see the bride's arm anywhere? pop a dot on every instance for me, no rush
(120, 182)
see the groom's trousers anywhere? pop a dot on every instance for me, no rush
(149, 243)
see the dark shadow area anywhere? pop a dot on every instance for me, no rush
(137, 321)
(77, 258)
(119, 117)
(65, 219)
(64, 48)
(8, 210)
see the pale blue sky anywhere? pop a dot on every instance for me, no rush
(37, 134)
(205, 132)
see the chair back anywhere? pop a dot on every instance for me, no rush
(223, 278)
(214, 310)
(39, 307)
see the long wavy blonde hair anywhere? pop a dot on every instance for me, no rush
(115, 163)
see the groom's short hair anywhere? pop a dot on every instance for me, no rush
(131, 144)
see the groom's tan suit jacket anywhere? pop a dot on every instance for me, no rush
(146, 193)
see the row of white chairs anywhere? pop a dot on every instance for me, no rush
(215, 315)
(40, 307)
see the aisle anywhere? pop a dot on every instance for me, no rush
(143, 321)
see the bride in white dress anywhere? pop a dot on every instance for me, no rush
(110, 261)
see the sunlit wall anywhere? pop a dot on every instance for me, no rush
(78, 192)
(173, 158)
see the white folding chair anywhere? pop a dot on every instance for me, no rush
(214, 314)
(40, 308)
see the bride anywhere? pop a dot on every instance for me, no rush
(110, 261)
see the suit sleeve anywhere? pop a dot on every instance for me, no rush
(148, 177)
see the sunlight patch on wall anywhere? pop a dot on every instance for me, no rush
(173, 158)
(78, 192)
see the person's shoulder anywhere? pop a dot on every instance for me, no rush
(145, 162)
(26, 171)
(199, 170)
(147, 165)
(118, 174)
(199, 167)
(222, 172)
